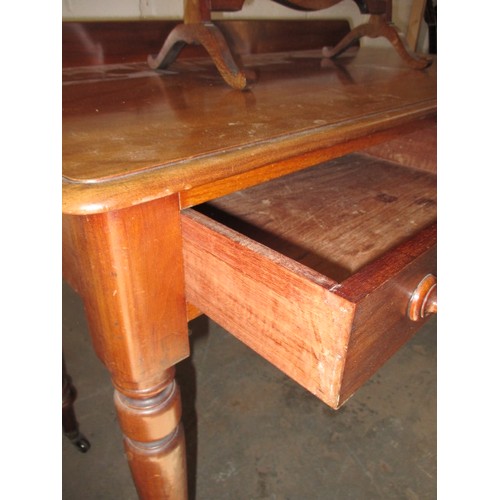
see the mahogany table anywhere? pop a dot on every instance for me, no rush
(144, 150)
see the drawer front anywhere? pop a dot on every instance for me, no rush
(328, 336)
(382, 291)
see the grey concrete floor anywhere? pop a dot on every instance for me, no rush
(252, 433)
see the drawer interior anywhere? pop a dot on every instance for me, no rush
(334, 218)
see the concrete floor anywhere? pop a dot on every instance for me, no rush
(252, 433)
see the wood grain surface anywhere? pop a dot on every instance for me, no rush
(131, 134)
(314, 270)
(416, 149)
(274, 305)
(91, 43)
(334, 218)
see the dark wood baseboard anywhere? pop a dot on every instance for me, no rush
(112, 42)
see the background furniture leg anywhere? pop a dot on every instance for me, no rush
(416, 17)
(198, 29)
(69, 422)
(378, 26)
(208, 35)
(430, 17)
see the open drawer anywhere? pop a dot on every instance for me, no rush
(316, 270)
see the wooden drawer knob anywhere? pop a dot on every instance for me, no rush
(423, 301)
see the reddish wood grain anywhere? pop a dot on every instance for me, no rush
(110, 42)
(138, 145)
(130, 279)
(335, 217)
(381, 292)
(417, 149)
(314, 271)
(127, 267)
(280, 309)
(156, 135)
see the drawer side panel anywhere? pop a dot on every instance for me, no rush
(294, 322)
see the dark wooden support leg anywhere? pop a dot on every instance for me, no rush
(208, 35)
(69, 422)
(379, 26)
(131, 280)
(198, 29)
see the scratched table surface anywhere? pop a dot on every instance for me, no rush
(131, 134)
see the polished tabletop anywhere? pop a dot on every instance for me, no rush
(131, 134)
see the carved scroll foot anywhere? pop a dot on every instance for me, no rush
(378, 26)
(210, 37)
(154, 442)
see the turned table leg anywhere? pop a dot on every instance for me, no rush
(154, 441)
(128, 270)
